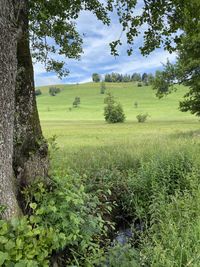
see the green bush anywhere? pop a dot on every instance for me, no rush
(142, 117)
(76, 102)
(23, 243)
(140, 84)
(96, 77)
(136, 104)
(113, 112)
(53, 91)
(63, 217)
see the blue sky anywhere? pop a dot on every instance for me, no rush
(97, 57)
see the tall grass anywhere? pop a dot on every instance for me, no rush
(155, 183)
(174, 235)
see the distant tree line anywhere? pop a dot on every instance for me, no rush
(114, 77)
(135, 77)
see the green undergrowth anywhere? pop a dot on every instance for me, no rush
(71, 221)
(62, 219)
(156, 188)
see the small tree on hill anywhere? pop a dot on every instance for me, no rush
(53, 91)
(144, 77)
(76, 102)
(108, 78)
(96, 77)
(150, 78)
(113, 112)
(136, 77)
(161, 81)
(102, 88)
(136, 104)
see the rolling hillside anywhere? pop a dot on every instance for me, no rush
(92, 103)
(85, 126)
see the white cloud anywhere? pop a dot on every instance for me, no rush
(141, 64)
(41, 81)
(97, 57)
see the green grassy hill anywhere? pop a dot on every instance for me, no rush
(85, 126)
(92, 103)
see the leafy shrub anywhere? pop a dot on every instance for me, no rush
(142, 117)
(136, 104)
(53, 91)
(61, 218)
(113, 112)
(27, 244)
(139, 84)
(38, 92)
(76, 102)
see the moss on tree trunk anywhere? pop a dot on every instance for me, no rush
(23, 150)
(30, 148)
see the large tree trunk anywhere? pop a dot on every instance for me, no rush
(30, 148)
(9, 32)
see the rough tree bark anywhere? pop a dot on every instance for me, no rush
(9, 32)
(23, 150)
(30, 149)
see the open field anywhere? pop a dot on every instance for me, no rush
(86, 141)
(92, 103)
(148, 172)
(85, 126)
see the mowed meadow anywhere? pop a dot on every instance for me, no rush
(146, 174)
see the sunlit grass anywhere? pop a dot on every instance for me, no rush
(136, 161)
(92, 103)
